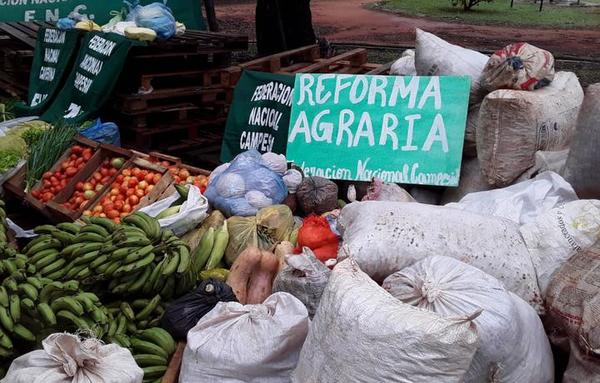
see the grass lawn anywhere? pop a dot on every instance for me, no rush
(500, 13)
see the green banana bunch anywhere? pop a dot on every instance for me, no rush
(209, 253)
(152, 349)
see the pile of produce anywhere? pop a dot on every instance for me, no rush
(130, 186)
(15, 146)
(85, 191)
(60, 282)
(44, 153)
(54, 182)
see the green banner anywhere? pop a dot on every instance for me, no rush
(92, 80)
(52, 58)
(399, 129)
(260, 114)
(188, 12)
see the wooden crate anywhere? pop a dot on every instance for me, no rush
(16, 184)
(60, 212)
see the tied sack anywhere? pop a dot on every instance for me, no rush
(558, 234)
(514, 124)
(572, 320)
(68, 358)
(405, 65)
(436, 57)
(581, 170)
(519, 66)
(362, 334)
(513, 346)
(246, 344)
(385, 237)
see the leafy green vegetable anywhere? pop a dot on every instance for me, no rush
(47, 150)
(8, 160)
(13, 144)
(30, 131)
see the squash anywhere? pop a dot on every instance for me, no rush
(241, 271)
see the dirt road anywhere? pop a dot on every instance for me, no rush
(350, 21)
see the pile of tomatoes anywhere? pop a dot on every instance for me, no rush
(129, 187)
(85, 191)
(182, 176)
(54, 182)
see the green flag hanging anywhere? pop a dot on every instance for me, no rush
(260, 114)
(94, 76)
(52, 58)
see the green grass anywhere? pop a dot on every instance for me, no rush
(500, 13)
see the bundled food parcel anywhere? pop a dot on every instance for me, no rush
(432, 220)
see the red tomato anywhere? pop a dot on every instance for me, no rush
(76, 149)
(47, 175)
(149, 178)
(130, 192)
(120, 197)
(119, 178)
(142, 185)
(98, 209)
(102, 215)
(113, 171)
(87, 213)
(63, 183)
(113, 198)
(47, 196)
(36, 194)
(177, 179)
(114, 192)
(73, 157)
(64, 165)
(88, 186)
(71, 171)
(79, 200)
(142, 175)
(134, 200)
(105, 180)
(79, 186)
(87, 154)
(126, 208)
(112, 214)
(46, 184)
(140, 193)
(119, 204)
(97, 176)
(183, 173)
(136, 172)
(103, 172)
(132, 182)
(127, 172)
(117, 220)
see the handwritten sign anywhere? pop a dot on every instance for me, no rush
(399, 129)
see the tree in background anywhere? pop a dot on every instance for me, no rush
(468, 4)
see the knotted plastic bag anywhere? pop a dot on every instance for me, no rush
(69, 358)
(184, 313)
(229, 191)
(155, 16)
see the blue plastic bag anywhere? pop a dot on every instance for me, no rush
(65, 23)
(155, 16)
(247, 186)
(104, 132)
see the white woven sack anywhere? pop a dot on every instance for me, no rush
(385, 237)
(361, 334)
(513, 347)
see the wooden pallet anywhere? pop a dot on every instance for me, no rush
(166, 98)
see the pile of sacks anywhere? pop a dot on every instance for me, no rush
(523, 116)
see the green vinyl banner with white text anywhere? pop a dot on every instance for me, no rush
(188, 12)
(399, 129)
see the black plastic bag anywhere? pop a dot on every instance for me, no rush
(185, 312)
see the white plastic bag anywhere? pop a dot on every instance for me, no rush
(560, 233)
(436, 57)
(234, 343)
(513, 347)
(192, 212)
(405, 65)
(385, 237)
(66, 358)
(553, 161)
(522, 202)
(362, 334)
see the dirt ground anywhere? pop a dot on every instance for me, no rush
(350, 21)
